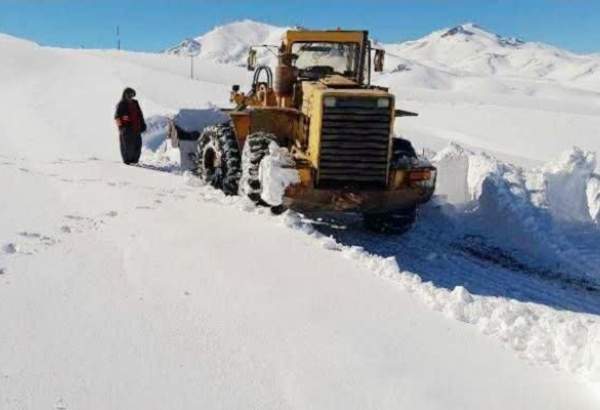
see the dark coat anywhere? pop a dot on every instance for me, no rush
(131, 123)
(129, 117)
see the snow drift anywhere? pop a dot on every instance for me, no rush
(536, 212)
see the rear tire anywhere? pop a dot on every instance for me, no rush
(218, 161)
(255, 149)
(392, 223)
(402, 150)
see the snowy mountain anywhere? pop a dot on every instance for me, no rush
(470, 49)
(188, 47)
(229, 44)
(467, 49)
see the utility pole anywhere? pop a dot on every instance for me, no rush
(118, 38)
(191, 52)
(192, 66)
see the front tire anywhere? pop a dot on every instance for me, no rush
(402, 152)
(218, 161)
(255, 149)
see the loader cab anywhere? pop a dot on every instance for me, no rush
(319, 54)
(315, 55)
(314, 61)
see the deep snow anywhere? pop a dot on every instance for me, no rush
(127, 287)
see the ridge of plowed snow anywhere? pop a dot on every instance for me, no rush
(544, 208)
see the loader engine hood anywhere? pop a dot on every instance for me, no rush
(338, 81)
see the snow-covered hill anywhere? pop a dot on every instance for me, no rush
(229, 44)
(136, 287)
(465, 49)
(471, 49)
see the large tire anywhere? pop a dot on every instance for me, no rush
(391, 222)
(218, 161)
(255, 149)
(402, 150)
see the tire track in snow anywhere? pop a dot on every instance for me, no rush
(435, 252)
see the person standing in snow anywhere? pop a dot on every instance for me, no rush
(131, 124)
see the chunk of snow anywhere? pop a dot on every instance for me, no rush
(276, 172)
(453, 166)
(567, 183)
(593, 195)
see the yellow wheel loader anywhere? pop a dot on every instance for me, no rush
(319, 104)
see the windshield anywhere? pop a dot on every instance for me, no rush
(327, 58)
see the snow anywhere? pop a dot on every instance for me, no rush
(197, 120)
(128, 287)
(471, 49)
(544, 205)
(276, 172)
(566, 184)
(593, 194)
(230, 44)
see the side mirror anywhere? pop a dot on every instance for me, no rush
(251, 62)
(379, 60)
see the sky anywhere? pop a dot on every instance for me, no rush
(153, 25)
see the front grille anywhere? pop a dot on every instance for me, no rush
(354, 143)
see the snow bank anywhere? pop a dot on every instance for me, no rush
(567, 187)
(530, 214)
(541, 335)
(453, 166)
(593, 195)
(566, 184)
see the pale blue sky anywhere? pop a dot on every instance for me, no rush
(153, 25)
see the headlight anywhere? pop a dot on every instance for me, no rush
(424, 177)
(329, 101)
(383, 102)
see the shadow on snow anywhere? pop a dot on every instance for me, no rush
(453, 249)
